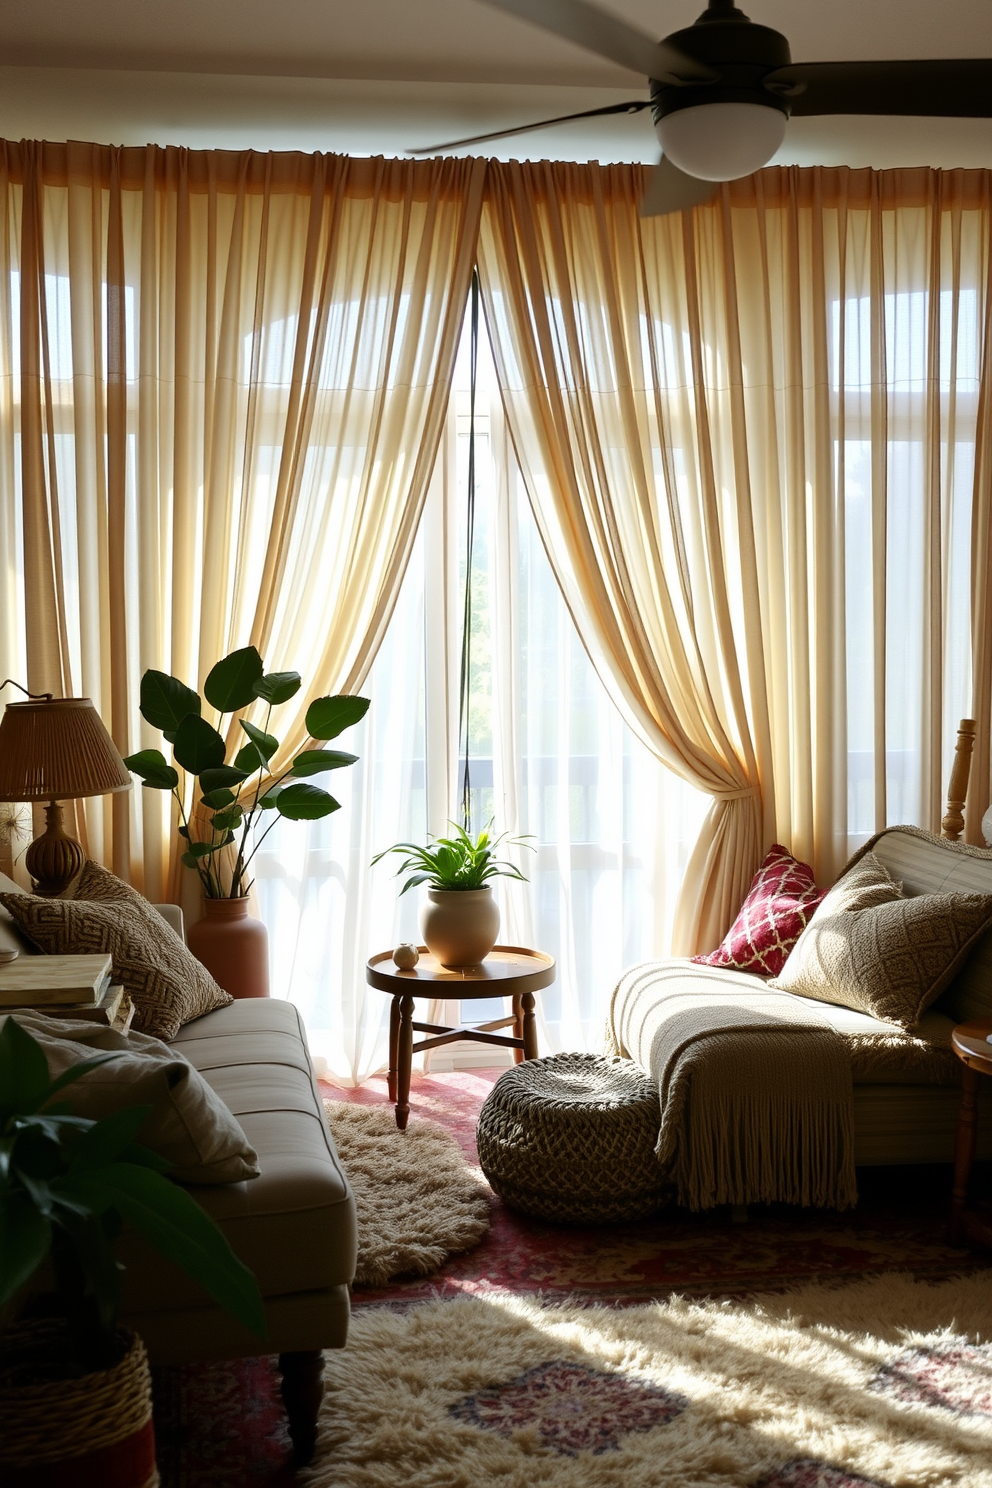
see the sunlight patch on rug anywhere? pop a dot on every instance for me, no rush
(880, 1384)
(416, 1197)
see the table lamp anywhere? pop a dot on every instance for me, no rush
(56, 749)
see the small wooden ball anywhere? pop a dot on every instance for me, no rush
(406, 956)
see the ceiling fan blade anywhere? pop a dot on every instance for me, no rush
(609, 36)
(670, 190)
(634, 106)
(949, 88)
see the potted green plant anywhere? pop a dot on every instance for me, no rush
(459, 920)
(75, 1393)
(218, 818)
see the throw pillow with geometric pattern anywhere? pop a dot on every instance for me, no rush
(164, 980)
(779, 905)
(872, 948)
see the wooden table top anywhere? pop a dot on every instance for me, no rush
(970, 1043)
(506, 970)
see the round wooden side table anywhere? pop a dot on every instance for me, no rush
(971, 1045)
(508, 971)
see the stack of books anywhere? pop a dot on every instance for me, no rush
(66, 987)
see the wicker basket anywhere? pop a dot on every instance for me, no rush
(571, 1139)
(96, 1428)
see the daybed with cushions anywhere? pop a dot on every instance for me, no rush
(294, 1223)
(743, 1061)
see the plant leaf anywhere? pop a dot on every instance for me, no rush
(165, 701)
(231, 682)
(305, 803)
(24, 1078)
(108, 1138)
(270, 800)
(278, 687)
(248, 760)
(266, 744)
(153, 768)
(316, 761)
(223, 821)
(220, 778)
(215, 799)
(25, 1240)
(198, 746)
(176, 1226)
(329, 716)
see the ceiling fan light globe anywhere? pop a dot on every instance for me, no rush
(722, 141)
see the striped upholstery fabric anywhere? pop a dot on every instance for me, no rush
(930, 865)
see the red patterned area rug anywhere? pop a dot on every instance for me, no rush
(222, 1426)
(899, 1225)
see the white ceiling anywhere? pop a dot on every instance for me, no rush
(371, 76)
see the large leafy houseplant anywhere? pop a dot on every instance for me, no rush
(232, 793)
(69, 1184)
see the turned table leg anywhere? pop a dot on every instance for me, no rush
(964, 1147)
(518, 1027)
(530, 1025)
(394, 1034)
(404, 1060)
(302, 1391)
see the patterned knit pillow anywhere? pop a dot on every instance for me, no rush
(166, 983)
(778, 907)
(871, 948)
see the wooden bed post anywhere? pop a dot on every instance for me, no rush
(952, 824)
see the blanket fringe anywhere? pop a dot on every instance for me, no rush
(767, 1149)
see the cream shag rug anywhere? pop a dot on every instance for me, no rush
(886, 1382)
(417, 1198)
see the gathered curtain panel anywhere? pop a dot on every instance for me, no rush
(755, 438)
(749, 434)
(223, 380)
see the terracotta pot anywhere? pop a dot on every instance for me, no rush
(233, 946)
(90, 1429)
(459, 926)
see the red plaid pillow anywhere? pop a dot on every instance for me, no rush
(778, 907)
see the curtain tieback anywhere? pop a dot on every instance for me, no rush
(743, 794)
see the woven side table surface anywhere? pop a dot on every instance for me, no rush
(571, 1139)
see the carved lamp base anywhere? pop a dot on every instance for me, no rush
(54, 859)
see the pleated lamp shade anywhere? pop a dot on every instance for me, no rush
(55, 749)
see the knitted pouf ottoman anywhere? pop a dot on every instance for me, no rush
(571, 1139)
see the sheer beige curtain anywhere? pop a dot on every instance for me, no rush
(748, 434)
(223, 379)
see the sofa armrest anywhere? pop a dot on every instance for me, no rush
(172, 914)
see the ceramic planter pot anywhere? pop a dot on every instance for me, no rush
(92, 1428)
(459, 926)
(233, 946)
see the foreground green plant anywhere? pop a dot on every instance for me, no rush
(68, 1185)
(231, 792)
(458, 862)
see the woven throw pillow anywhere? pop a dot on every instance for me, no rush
(188, 1124)
(778, 907)
(166, 983)
(870, 948)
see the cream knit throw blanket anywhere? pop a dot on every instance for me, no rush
(755, 1087)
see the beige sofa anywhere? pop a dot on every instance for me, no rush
(294, 1225)
(905, 1103)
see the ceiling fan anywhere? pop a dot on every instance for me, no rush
(723, 89)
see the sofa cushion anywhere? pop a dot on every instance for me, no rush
(164, 980)
(870, 948)
(294, 1226)
(779, 905)
(189, 1124)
